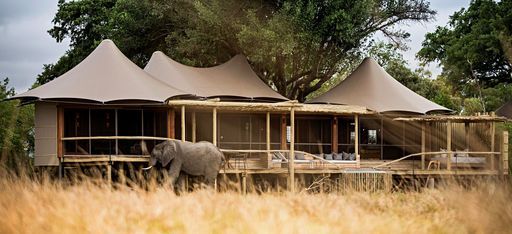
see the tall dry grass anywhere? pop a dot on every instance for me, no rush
(43, 206)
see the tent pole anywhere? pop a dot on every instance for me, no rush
(183, 131)
(334, 146)
(193, 126)
(291, 161)
(283, 132)
(170, 123)
(214, 124)
(449, 144)
(269, 157)
(423, 145)
(356, 140)
(493, 141)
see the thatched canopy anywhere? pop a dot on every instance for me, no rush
(453, 118)
(282, 107)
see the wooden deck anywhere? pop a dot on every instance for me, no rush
(253, 166)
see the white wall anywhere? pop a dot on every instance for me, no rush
(45, 134)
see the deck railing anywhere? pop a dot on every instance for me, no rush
(448, 158)
(241, 161)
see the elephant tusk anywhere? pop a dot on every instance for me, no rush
(147, 168)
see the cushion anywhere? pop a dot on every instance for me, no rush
(338, 156)
(443, 155)
(299, 156)
(328, 156)
(462, 153)
(346, 156)
(352, 156)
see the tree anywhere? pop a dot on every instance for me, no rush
(83, 22)
(471, 49)
(294, 46)
(16, 133)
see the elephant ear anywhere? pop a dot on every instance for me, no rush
(168, 153)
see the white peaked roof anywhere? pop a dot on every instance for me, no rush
(232, 79)
(371, 86)
(106, 75)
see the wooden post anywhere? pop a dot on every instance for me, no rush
(423, 145)
(170, 123)
(493, 141)
(244, 183)
(283, 132)
(109, 173)
(269, 156)
(291, 160)
(504, 154)
(120, 174)
(449, 144)
(60, 132)
(356, 140)
(381, 137)
(61, 168)
(116, 129)
(194, 126)
(214, 120)
(334, 142)
(467, 135)
(183, 130)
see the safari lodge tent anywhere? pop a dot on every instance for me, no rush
(108, 111)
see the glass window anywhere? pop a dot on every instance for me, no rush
(372, 136)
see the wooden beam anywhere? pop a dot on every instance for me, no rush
(194, 126)
(381, 137)
(356, 140)
(449, 144)
(334, 146)
(467, 135)
(244, 183)
(291, 160)
(493, 141)
(504, 154)
(109, 174)
(283, 132)
(269, 155)
(170, 123)
(183, 129)
(423, 145)
(214, 122)
(60, 131)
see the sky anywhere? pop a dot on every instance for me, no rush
(25, 45)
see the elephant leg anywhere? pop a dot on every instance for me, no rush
(174, 172)
(211, 177)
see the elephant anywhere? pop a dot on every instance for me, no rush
(197, 159)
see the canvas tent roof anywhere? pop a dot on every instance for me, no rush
(105, 76)
(371, 86)
(505, 110)
(232, 79)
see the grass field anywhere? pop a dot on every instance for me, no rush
(48, 207)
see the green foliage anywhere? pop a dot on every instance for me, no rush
(84, 24)
(475, 51)
(16, 133)
(294, 46)
(472, 47)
